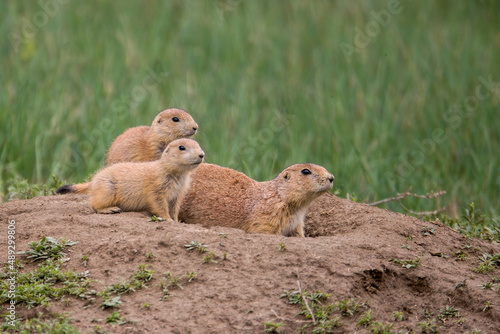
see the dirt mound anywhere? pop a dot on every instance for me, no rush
(347, 254)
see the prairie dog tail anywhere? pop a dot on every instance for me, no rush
(80, 188)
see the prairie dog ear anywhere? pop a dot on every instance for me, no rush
(286, 177)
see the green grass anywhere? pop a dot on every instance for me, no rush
(19, 188)
(407, 264)
(324, 317)
(473, 224)
(59, 324)
(269, 85)
(47, 248)
(171, 282)
(137, 281)
(271, 327)
(45, 283)
(196, 245)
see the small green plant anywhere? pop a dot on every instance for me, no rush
(111, 302)
(324, 317)
(15, 265)
(143, 274)
(474, 216)
(191, 276)
(461, 255)
(171, 282)
(473, 224)
(85, 260)
(60, 324)
(408, 264)
(282, 246)
(146, 306)
(327, 325)
(21, 189)
(66, 301)
(120, 288)
(366, 319)
(156, 219)
(487, 263)
(348, 307)
(294, 297)
(115, 318)
(47, 248)
(429, 326)
(486, 286)
(223, 235)
(381, 328)
(487, 306)
(449, 312)
(210, 258)
(398, 316)
(428, 313)
(476, 331)
(469, 247)
(137, 281)
(195, 245)
(352, 197)
(45, 283)
(272, 327)
(97, 330)
(426, 231)
(150, 256)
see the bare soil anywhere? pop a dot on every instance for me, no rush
(346, 254)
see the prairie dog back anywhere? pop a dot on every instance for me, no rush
(221, 196)
(146, 143)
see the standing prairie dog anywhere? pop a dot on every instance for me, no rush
(220, 196)
(156, 186)
(147, 143)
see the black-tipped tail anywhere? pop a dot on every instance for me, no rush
(67, 188)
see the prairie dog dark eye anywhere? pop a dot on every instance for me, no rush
(305, 171)
(159, 121)
(175, 119)
(182, 148)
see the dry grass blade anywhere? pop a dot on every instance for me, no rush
(305, 302)
(408, 193)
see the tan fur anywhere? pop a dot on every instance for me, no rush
(220, 196)
(81, 188)
(146, 143)
(156, 186)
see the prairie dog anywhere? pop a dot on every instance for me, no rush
(147, 143)
(220, 196)
(156, 186)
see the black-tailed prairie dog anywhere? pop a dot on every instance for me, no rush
(156, 186)
(220, 196)
(147, 143)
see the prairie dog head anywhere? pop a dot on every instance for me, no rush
(174, 123)
(183, 153)
(302, 183)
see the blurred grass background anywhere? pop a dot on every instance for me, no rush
(270, 84)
